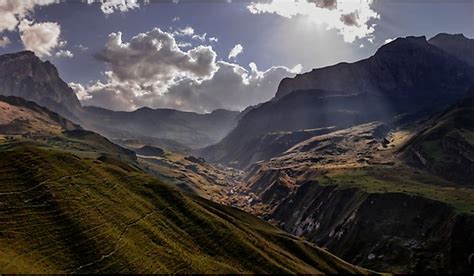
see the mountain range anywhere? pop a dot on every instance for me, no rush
(408, 75)
(372, 161)
(25, 75)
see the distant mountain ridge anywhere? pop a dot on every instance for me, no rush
(24, 75)
(456, 45)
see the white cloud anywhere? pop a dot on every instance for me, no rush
(80, 90)
(64, 53)
(40, 38)
(4, 41)
(234, 52)
(13, 11)
(351, 18)
(110, 6)
(213, 39)
(175, 19)
(388, 40)
(188, 31)
(155, 57)
(82, 47)
(152, 70)
(201, 37)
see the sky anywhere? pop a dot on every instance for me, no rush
(205, 55)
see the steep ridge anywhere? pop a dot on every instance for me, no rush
(347, 191)
(404, 76)
(72, 202)
(404, 67)
(19, 116)
(456, 45)
(445, 145)
(24, 75)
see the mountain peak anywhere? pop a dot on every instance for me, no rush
(456, 45)
(402, 44)
(24, 75)
(443, 36)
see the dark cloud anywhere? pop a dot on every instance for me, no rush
(325, 4)
(350, 19)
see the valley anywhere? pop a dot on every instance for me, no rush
(358, 167)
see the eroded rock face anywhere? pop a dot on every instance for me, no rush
(24, 75)
(405, 67)
(381, 230)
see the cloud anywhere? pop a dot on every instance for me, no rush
(388, 40)
(13, 11)
(200, 37)
(82, 47)
(234, 52)
(64, 53)
(326, 4)
(213, 39)
(40, 38)
(152, 70)
(110, 6)
(4, 41)
(155, 57)
(188, 31)
(350, 18)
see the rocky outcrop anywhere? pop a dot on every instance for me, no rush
(392, 232)
(24, 75)
(405, 67)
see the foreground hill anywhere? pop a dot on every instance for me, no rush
(405, 76)
(72, 202)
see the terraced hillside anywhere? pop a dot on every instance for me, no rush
(76, 203)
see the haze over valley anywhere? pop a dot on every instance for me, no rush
(146, 145)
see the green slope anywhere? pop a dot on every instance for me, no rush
(63, 211)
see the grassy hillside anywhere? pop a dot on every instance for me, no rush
(61, 212)
(73, 202)
(68, 211)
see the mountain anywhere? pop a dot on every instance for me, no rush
(73, 202)
(188, 129)
(24, 75)
(405, 76)
(350, 192)
(395, 70)
(445, 144)
(456, 45)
